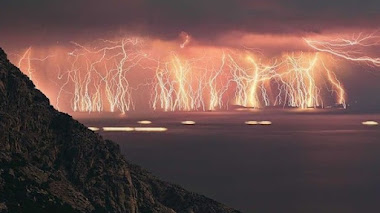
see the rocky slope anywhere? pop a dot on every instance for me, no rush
(52, 163)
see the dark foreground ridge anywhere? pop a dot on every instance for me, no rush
(50, 162)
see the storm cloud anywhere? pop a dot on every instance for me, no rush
(271, 25)
(203, 19)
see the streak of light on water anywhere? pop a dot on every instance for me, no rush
(93, 128)
(251, 122)
(258, 122)
(118, 129)
(150, 129)
(145, 122)
(188, 122)
(136, 129)
(370, 123)
(265, 122)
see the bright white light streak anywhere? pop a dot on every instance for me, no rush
(251, 122)
(188, 122)
(136, 129)
(93, 128)
(265, 123)
(370, 123)
(118, 129)
(150, 129)
(145, 122)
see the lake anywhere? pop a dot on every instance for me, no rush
(292, 162)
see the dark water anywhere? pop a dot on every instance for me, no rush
(300, 163)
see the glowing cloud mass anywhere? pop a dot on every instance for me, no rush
(121, 56)
(122, 74)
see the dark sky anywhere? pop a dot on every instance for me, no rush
(203, 19)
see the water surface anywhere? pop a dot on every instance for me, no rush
(300, 163)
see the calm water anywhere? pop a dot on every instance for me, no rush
(300, 163)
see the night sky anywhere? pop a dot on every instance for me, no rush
(166, 18)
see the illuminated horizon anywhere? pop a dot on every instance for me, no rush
(105, 75)
(213, 43)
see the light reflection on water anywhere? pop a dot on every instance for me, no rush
(188, 122)
(150, 129)
(93, 128)
(136, 129)
(370, 123)
(118, 129)
(145, 122)
(265, 122)
(329, 162)
(251, 122)
(214, 124)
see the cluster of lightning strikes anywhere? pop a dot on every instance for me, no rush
(292, 81)
(353, 49)
(96, 76)
(99, 78)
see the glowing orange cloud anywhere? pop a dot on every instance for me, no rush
(132, 72)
